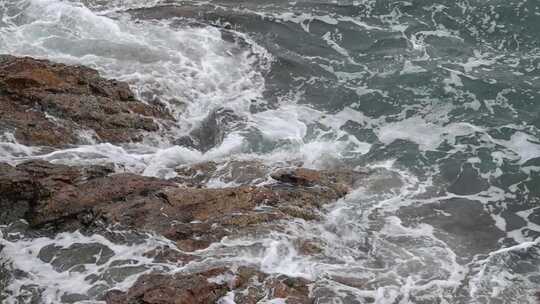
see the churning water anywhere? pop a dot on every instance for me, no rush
(444, 95)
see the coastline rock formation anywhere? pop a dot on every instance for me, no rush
(249, 285)
(62, 198)
(50, 104)
(69, 198)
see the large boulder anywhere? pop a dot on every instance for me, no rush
(49, 104)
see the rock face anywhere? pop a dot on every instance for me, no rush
(250, 286)
(48, 104)
(91, 197)
(85, 197)
(177, 289)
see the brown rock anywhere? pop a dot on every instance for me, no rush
(294, 290)
(87, 197)
(239, 172)
(45, 103)
(299, 176)
(24, 186)
(252, 286)
(173, 289)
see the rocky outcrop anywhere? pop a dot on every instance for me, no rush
(65, 198)
(247, 285)
(235, 172)
(62, 198)
(177, 289)
(251, 172)
(56, 105)
(50, 104)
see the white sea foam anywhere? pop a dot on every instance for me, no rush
(23, 255)
(194, 70)
(427, 135)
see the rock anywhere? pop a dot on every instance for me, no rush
(208, 286)
(64, 259)
(237, 172)
(301, 176)
(48, 104)
(212, 130)
(196, 175)
(252, 286)
(120, 273)
(295, 290)
(69, 198)
(177, 289)
(16, 191)
(169, 255)
(22, 187)
(96, 199)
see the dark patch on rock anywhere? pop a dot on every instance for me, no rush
(17, 190)
(177, 289)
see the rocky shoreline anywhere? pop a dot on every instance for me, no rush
(49, 105)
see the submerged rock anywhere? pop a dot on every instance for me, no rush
(76, 255)
(49, 104)
(212, 130)
(177, 289)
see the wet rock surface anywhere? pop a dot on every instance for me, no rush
(49, 104)
(181, 289)
(211, 131)
(245, 285)
(236, 172)
(64, 259)
(68, 198)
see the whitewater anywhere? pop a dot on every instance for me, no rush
(441, 98)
